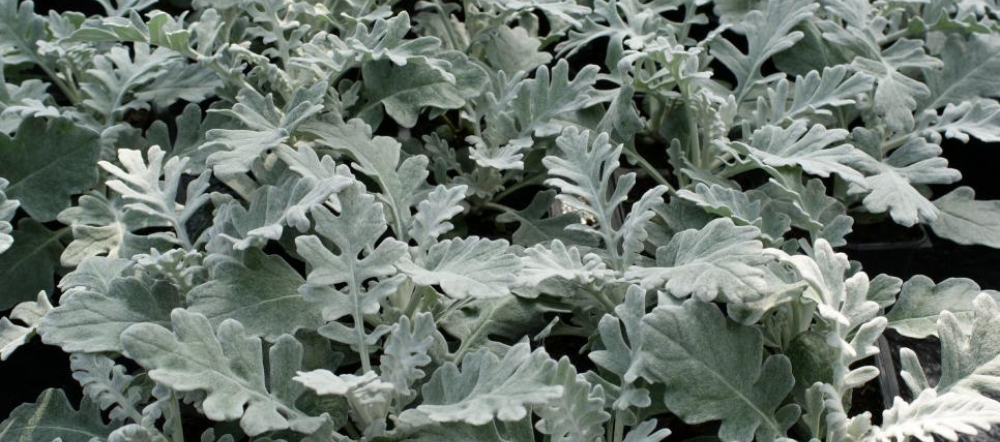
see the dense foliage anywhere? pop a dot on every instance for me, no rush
(324, 220)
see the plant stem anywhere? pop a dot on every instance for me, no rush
(474, 336)
(455, 306)
(606, 302)
(655, 174)
(359, 320)
(177, 427)
(537, 179)
(619, 427)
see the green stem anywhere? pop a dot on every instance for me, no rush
(474, 336)
(446, 21)
(359, 321)
(619, 427)
(177, 427)
(895, 143)
(730, 172)
(604, 300)
(655, 174)
(537, 179)
(416, 298)
(453, 307)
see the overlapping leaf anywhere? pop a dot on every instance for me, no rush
(228, 367)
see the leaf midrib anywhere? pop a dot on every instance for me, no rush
(766, 418)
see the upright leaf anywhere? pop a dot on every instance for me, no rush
(583, 171)
(8, 207)
(970, 361)
(400, 179)
(768, 32)
(537, 109)
(108, 385)
(431, 219)
(153, 200)
(579, 414)
(357, 259)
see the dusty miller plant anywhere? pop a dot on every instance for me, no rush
(304, 220)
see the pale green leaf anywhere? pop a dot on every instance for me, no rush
(400, 179)
(817, 150)
(48, 162)
(578, 415)
(486, 387)
(267, 127)
(101, 227)
(980, 119)
(8, 207)
(94, 274)
(583, 172)
(711, 369)
(29, 265)
(51, 417)
(538, 107)
(270, 209)
(405, 91)
(328, 54)
(644, 432)
(947, 415)
(630, 23)
(357, 259)
(623, 352)
(228, 368)
(29, 313)
(970, 356)
(433, 213)
(963, 219)
(513, 49)
(108, 385)
(535, 228)
(814, 94)
(970, 66)
(187, 137)
(155, 200)
(768, 32)
(554, 260)
(896, 93)
(466, 268)
(408, 349)
(22, 30)
(261, 292)
(721, 261)
(892, 185)
(89, 321)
